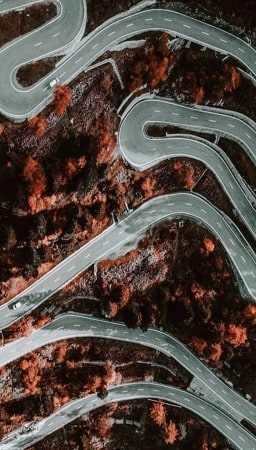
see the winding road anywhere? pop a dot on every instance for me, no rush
(230, 124)
(142, 151)
(18, 103)
(236, 434)
(74, 325)
(56, 37)
(114, 239)
(63, 36)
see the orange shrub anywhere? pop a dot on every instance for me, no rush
(62, 98)
(157, 413)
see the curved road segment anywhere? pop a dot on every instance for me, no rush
(114, 239)
(237, 435)
(142, 151)
(56, 37)
(18, 103)
(74, 325)
(205, 119)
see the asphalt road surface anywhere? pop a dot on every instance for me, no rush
(113, 240)
(72, 325)
(57, 37)
(235, 433)
(142, 151)
(19, 103)
(230, 124)
(63, 35)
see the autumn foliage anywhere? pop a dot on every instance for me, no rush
(235, 80)
(34, 175)
(209, 244)
(184, 173)
(198, 344)
(61, 351)
(62, 98)
(94, 383)
(216, 351)
(236, 335)
(155, 68)
(171, 433)
(104, 425)
(111, 377)
(71, 168)
(148, 185)
(107, 141)
(158, 413)
(250, 313)
(199, 95)
(31, 374)
(38, 124)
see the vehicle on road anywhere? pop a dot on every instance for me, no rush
(16, 305)
(54, 82)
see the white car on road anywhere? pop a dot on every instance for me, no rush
(16, 305)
